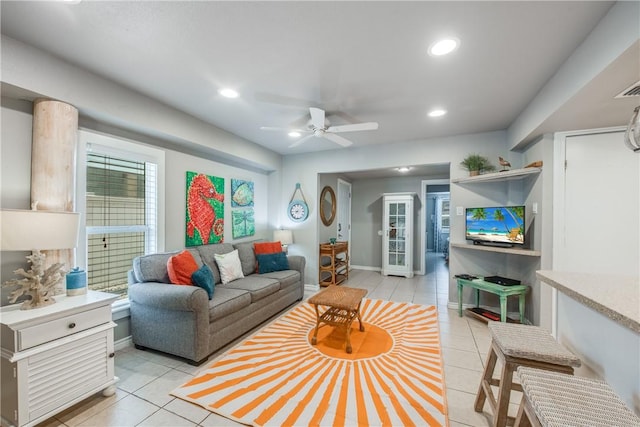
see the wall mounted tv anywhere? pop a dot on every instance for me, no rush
(499, 226)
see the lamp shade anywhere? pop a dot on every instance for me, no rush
(284, 236)
(26, 230)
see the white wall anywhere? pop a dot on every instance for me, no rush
(597, 207)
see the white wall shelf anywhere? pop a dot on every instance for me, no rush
(514, 251)
(513, 174)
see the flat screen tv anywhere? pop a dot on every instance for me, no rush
(500, 225)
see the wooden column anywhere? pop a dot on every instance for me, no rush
(53, 166)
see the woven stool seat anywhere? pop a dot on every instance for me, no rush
(518, 345)
(564, 400)
(531, 343)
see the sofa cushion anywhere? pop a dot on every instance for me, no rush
(262, 248)
(247, 257)
(258, 286)
(287, 278)
(229, 266)
(268, 263)
(180, 267)
(207, 252)
(226, 301)
(203, 278)
(152, 267)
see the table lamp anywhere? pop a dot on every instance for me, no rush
(33, 230)
(285, 237)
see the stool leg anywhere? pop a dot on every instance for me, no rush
(521, 419)
(504, 392)
(486, 378)
(314, 339)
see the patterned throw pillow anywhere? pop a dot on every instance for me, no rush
(261, 248)
(180, 268)
(272, 262)
(229, 266)
(203, 278)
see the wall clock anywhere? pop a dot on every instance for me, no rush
(298, 209)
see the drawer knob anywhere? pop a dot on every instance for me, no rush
(72, 325)
(112, 354)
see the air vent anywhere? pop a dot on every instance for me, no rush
(633, 90)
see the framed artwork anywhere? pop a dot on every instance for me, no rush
(241, 193)
(204, 210)
(244, 223)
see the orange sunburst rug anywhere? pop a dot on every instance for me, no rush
(393, 377)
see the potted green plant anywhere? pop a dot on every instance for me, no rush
(476, 164)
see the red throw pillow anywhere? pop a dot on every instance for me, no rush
(264, 248)
(180, 268)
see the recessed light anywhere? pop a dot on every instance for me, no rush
(403, 169)
(294, 134)
(444, 46)
(228, 93)
(437, 112)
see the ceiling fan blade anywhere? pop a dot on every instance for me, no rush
(337, 139)
(354, 127)
(272, 128)
(317, 117)
(300, 141)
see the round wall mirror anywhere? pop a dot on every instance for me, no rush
(327, 205)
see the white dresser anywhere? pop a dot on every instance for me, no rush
(55, 356)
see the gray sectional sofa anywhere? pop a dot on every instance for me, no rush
(181, 320)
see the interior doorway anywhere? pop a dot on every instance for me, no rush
(435, 222)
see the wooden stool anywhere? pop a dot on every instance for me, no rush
(518, 345)
(554, 399)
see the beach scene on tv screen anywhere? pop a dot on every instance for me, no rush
(498, 225)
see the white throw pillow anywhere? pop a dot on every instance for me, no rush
(229, 266)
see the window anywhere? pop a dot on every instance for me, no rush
(121, 211)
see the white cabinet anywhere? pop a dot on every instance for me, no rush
(55, 356)
(397, 235)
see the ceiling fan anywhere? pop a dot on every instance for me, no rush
(319, 127)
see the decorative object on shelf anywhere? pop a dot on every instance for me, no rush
(298, 209)
(333, 240)
(76, 282)
(285, 237)
(327, 205)
(536, 164)
(34, 230)
(632, 134)
(205, 209)
(477, 164)
(504, 163)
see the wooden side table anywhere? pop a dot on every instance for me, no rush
(333, 263)
(344, 308)
(502, 291)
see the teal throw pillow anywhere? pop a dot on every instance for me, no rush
(272, 262)
(203, 278)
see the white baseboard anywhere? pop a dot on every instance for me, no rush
(122, 343)
(308, 287)
(364, 267)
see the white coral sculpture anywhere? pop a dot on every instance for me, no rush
(37, 283)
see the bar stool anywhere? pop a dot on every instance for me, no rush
(553, 399)
(518, 345)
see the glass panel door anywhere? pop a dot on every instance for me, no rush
(397, 234)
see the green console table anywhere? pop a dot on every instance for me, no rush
(502, 291)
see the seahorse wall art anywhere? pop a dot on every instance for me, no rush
(205, 209)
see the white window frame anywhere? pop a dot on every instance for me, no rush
(123, 148)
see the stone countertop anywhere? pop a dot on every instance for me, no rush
(617, 297)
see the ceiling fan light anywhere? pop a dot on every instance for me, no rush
(294, 134)
(438, 112)
(403, 169)
(444, 46)
(228, 93)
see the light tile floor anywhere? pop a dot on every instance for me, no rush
(147, 377)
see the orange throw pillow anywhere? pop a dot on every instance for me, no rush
(264, 248)
(180, 268)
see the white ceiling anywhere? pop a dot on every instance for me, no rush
(361, 61)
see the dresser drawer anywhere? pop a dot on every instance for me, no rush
(62, 327)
